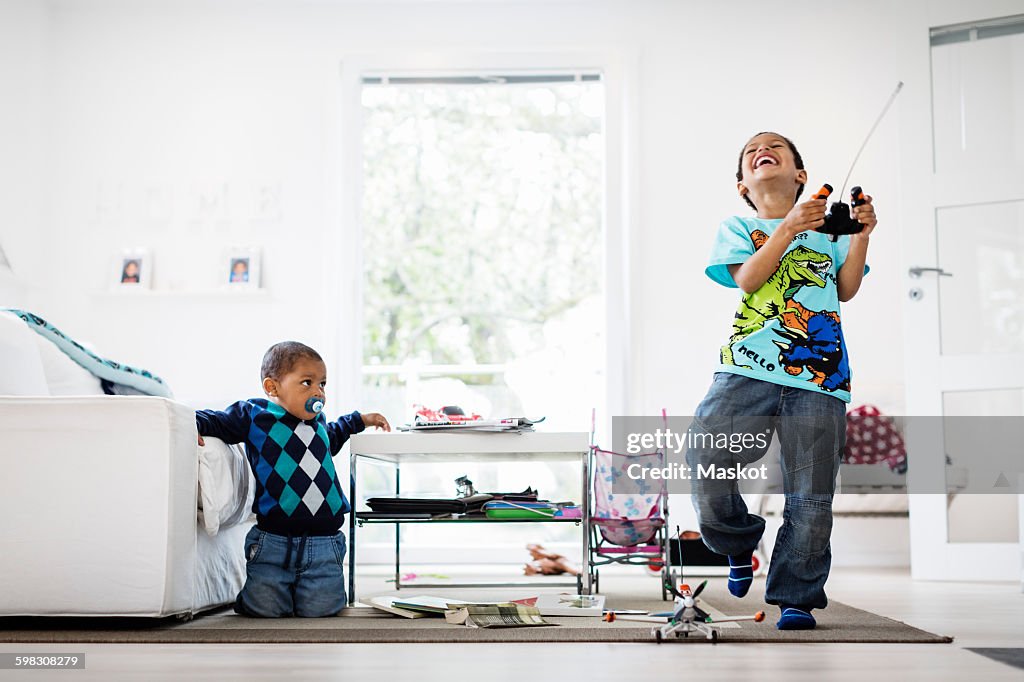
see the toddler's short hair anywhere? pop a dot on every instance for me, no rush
(799, 160)
(281, 357)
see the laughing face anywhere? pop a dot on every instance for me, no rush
(767, 155)
(768, 163)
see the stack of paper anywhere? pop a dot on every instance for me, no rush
(496, 616)
(458, 612)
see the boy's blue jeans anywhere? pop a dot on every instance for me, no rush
(811, 428)
(292, 576)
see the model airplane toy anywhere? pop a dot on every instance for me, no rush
(687, 617)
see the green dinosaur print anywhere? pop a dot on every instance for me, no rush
(799, 268)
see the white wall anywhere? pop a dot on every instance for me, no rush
(24, 48)
(189, 127)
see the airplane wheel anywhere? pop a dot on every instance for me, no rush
(714, 636)
(657, 636)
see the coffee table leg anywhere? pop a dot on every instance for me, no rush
(398, 529)
(352, 530)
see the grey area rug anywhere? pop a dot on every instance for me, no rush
(1009, 656)
(838, 623)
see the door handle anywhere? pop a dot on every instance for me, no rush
(916, 271)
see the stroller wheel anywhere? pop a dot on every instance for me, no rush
(597, 582)
(757, 562)
(655, 567)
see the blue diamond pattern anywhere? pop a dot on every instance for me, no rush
(285, 466)
(275, 409)
(289, 500)
(334, 500)
(328, 465)
(275, 451)
(280, 434)
(263, 470)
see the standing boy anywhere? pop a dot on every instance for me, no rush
(784, 369)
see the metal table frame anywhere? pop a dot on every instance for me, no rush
(395, 448)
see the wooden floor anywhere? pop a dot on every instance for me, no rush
(976, 614)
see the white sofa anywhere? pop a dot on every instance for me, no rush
(99, 503)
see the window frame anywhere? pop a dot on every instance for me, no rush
(345, 290)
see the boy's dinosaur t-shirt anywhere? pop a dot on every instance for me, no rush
(789, 331)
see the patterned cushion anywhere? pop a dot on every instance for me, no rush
(138, 379)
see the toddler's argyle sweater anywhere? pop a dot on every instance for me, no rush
(297, 487)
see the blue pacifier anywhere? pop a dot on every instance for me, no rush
(314, 405)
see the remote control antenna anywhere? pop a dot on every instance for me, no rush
(899, 86)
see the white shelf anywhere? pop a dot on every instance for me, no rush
(149, 294)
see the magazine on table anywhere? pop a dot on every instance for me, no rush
(508, 424)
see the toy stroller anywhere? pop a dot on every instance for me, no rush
(627, 527)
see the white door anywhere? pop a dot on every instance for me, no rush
(964, 292)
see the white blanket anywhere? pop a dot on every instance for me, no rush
(226, 486)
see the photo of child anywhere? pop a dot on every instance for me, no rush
(243, 268)
(239, 270)
(131, 271)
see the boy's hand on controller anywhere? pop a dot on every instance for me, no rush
(865, 215)
(810, 215)
(377, 420)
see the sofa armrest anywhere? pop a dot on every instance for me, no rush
(100, 506)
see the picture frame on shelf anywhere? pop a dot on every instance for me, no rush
(242, 269)
(134, 270)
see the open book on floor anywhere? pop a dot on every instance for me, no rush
(386, 604)
(426, 605)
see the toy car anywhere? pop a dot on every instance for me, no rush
(449, 414)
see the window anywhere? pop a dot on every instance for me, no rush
(484, 250)
(483, 245)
